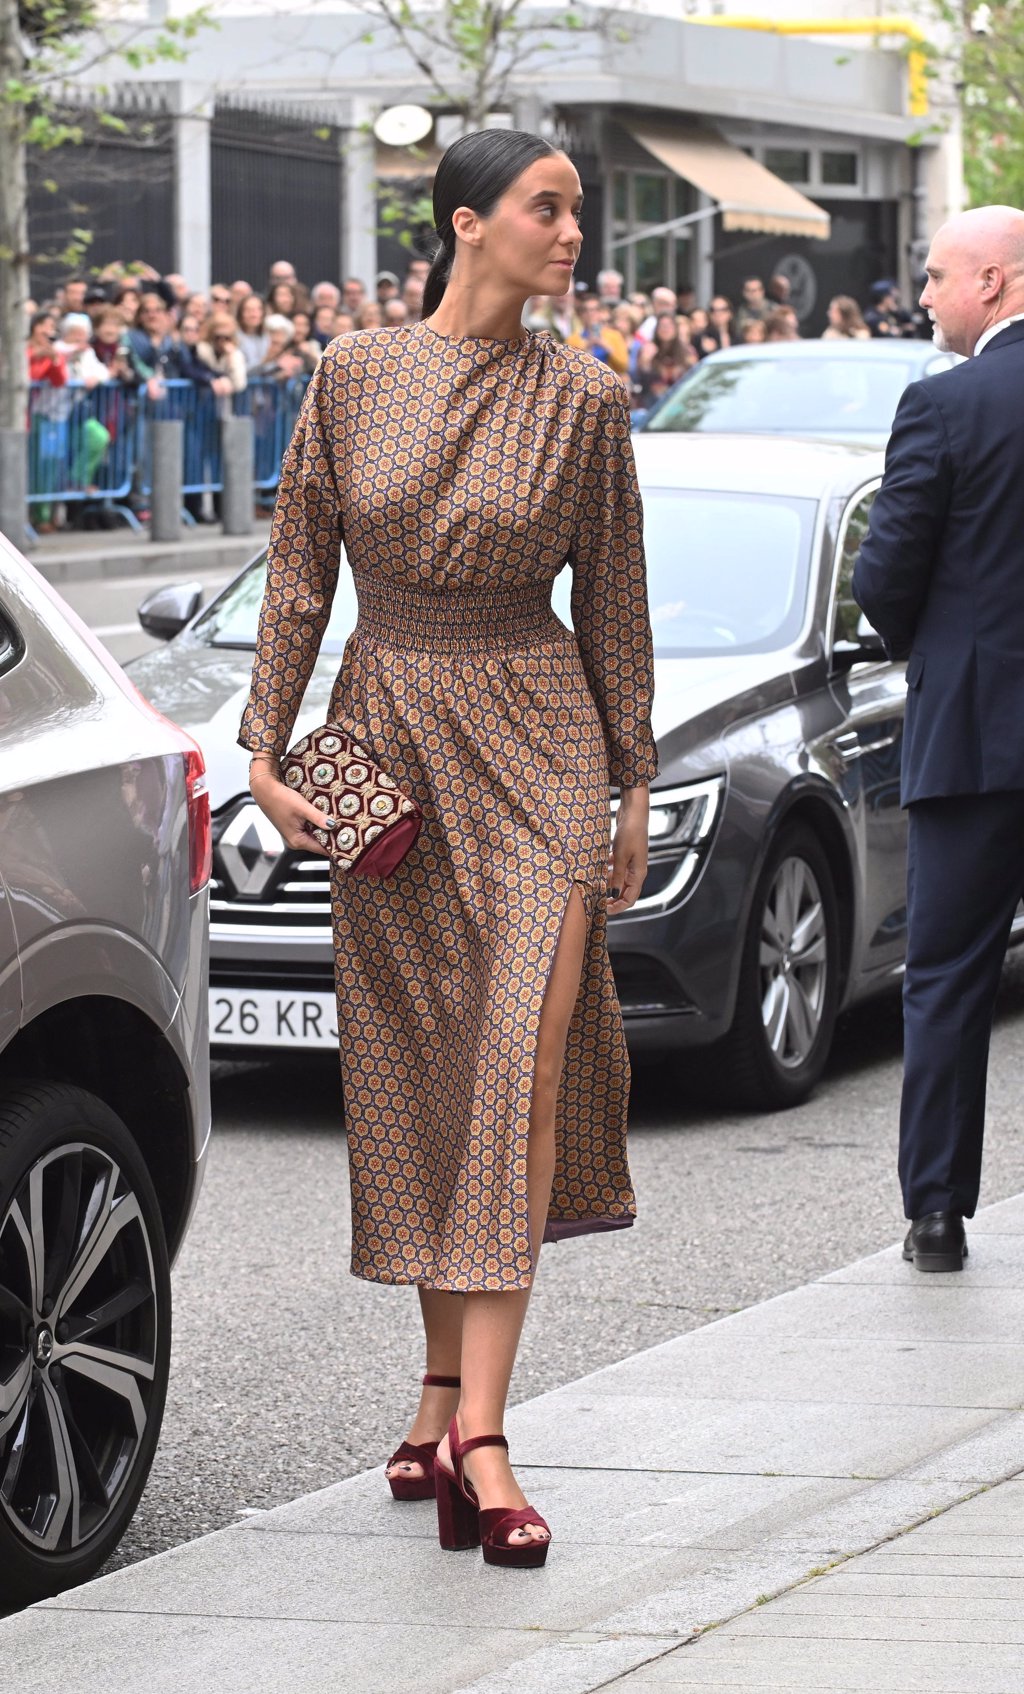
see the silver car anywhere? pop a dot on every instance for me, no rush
(104, 1079)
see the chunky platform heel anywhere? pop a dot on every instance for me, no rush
(420, 1453)
(460, 1522)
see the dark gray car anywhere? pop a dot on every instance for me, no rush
(775, 894)
(104, 1080)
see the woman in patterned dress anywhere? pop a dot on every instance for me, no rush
(464, 462)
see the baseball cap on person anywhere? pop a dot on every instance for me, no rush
(387, 276)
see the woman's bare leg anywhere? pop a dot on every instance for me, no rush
(442, 1324)
(492, 1323)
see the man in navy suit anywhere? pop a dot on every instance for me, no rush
(941, 577)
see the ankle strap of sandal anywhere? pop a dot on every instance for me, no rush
(481, 1441)
(431, 1381)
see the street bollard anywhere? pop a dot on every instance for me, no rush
(236, 453)
(167, 442)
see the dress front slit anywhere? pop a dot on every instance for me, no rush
(508, 727)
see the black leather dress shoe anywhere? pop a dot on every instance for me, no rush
(937, 1242)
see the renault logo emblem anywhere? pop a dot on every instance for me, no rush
(250, 848)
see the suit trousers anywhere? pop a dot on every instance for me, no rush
(965, 875)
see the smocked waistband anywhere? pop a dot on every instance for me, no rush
(454, 620)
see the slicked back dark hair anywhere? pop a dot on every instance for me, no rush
(475, 172)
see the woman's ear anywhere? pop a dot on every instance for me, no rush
(467, 225)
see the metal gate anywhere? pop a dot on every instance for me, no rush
(118, 186)
(276, 187)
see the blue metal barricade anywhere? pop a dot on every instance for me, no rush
(198, 410)
(93, 444)
(273, 407)
(81, 445)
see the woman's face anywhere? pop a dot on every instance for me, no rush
(128, 306)
(666, 329)
(45, 332)
(698, 321)
(189, 330)
(531, 240)
(300, 325)
(324, 319)
(371, 316)
(250, 315)
(835, 314)
(278, 342)
(108, 330)
(282, 298)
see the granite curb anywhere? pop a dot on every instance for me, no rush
(687, 1486)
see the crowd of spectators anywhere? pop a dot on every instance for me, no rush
(133, 327)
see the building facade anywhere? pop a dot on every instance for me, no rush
(706, 152)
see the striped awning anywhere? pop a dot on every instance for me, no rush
(749, 196)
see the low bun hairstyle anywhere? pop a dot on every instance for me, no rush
(475, 172)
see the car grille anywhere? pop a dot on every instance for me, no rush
(297, 896)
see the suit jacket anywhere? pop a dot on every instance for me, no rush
(941, 572)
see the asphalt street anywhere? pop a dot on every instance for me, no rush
(289, 1374)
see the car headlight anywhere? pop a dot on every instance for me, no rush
(682, 822)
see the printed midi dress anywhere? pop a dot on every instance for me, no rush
(462, 474)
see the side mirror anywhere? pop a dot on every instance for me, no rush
(867, 648)
(166, 611)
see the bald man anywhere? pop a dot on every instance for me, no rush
(941, 577)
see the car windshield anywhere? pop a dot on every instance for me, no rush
(231, 620)
(786, 396)
(726, 573)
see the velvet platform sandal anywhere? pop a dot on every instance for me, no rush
(422, 1453)
(460, 1522)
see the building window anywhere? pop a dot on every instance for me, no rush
(640, 199)
(650, 198)
(620, 200)
(792, 164)
(839, 170)
(649, 257)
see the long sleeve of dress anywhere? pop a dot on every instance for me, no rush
(609, 593)
(302, 574)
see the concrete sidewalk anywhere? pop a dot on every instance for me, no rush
(82, 555)
(704, 1483)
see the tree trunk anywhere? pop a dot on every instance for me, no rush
(14, 279)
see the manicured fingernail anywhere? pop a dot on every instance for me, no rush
(615, 893)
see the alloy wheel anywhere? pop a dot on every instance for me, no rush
(793, 962)
(78, 1346)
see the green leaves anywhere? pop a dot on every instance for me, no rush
(988, 69)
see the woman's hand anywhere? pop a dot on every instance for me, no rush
(291, 815)
(627, 866)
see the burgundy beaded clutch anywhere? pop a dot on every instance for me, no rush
(370, 823)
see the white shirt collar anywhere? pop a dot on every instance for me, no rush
(993, 329)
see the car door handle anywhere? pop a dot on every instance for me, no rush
(850, 745)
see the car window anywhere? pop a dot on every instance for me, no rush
(10, 644)
(854, 528)
(805, 396)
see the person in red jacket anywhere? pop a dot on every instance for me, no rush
(48, 431)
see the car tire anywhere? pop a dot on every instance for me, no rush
(85, 1335)
(788, 990)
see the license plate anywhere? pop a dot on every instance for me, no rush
(271, 1017)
